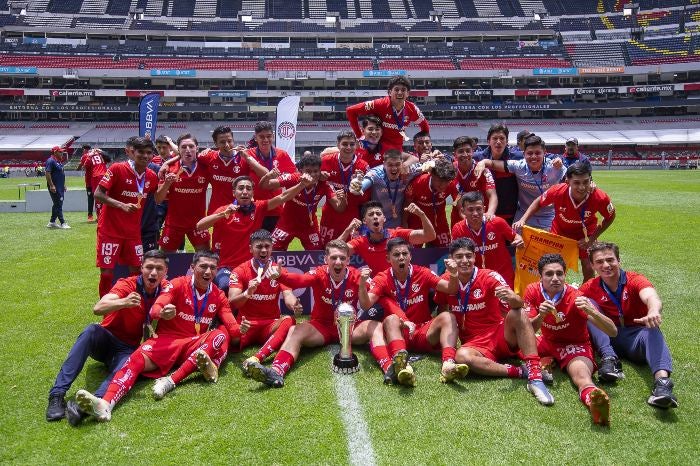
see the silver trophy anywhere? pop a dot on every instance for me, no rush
(345, 362)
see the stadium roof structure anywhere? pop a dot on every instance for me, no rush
(42, 143)
(623, 137)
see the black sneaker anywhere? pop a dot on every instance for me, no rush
(56, 410)
(610, 370)
(662, 394)
(266, 375)
(390, 377)
(74, 415)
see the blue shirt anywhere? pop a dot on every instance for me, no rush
(531, 186)
(55, 168)
(376, 179)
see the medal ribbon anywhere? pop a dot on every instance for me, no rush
(395, 194)
(464, 300)
(267, 161)
(554, 299)
(483, 240)
(336, 302)
(402, 297)
(148, 300)
(310, 202)
(351, 169)
(616, 297)
(199, 310)
(399, 117)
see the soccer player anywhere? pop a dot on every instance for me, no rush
(163, 153)
(535, 174)
(491, 237)
(256, 297)
(429, 191)
(388, 184)
(395, 111)
(56, 183)
(268, 156)
(342, 168)
(299, 218)
(95, 163)
(576, 204)
(562, 312)
(370, 146)
(414, 328)
(185, 311)
(373, 236)
(482, 300)
(630, 300)
(332, 284)
(185, 187)
(238, 220)
(88, 179)
(122, 192)
(467, 181)
(125, 317)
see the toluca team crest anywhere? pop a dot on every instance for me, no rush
(286, 130)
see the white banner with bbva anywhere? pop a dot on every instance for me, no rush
(287, 112)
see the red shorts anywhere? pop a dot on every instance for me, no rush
(167, 352)
(285, 232)
(492, 345)
(328, 233)
(418, 342)
(563, 354)
(259, 332)
(329, 332)
(172, 237)
(111, 251)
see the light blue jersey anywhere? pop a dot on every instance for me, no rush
(392, 196)
(531, 186)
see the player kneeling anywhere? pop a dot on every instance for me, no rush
(186, 308)
(562, 312)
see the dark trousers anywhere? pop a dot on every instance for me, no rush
(638, 344)
(57, 208)
(98, 343)
(91, 199)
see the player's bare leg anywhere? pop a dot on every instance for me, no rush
(580, 370)
(393, 330)
(443, 329)
(586, 269)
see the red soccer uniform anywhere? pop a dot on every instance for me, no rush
(478, 311)
(373, 157)
(391, 136)
(95, 166)
(433, 204)
(264, 304)
(220, 174)
(493, 237)
(235, 231)
(374, 254)
(213, 303)
(280, 160)
(632, 305)
(466, 183)
(420, 282)
(88, 170)
(568, 338)
(187, 202)
(127, 324)
(570, 217)
(299, 216)
(333, 223)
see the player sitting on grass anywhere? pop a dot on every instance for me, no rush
(482, 299)
(562, 312)
(125, 309)
(185, 311)
(631, 301)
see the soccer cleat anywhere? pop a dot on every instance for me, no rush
(246, 364)
(451, 371)
(90, 218)
(207, 367)
(539, 391)
(390, 377)
(266, 375)
(610, 370)
(163, 386)
(547, 376)
(64, 226)
(93, 405)
(74, 414)
(662, 394)
(399, 361)
(407, 377)
(56, 410)
(52, 225)
(600, 407)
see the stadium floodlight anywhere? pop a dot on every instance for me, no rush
(245, 16)
(332, 17)
(436, 16)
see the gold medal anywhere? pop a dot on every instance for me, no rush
(585, 234)
(393, 211)
(139, 198)
(311, 219)
(197, 327)
(180, 172)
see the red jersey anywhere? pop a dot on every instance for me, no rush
(301, 210)
(478, 311)
(572, 327)
(392, 122)
(632, 305)
(374, 254)
(88, 171)
(569, 217)
(123, 184)
(466, 183)
(95, 166)
(127, 324)
(213, 303)
(220, 174)
(265, 302)
(280, 160)
(433, 204)
(373, 156)
(235, 231)
(412, 295)
(340, 176)
(493, 237)
(187, 198)
(327, 293)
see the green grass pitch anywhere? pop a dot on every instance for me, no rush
(49, 285)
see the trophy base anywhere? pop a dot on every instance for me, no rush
(345, 365)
